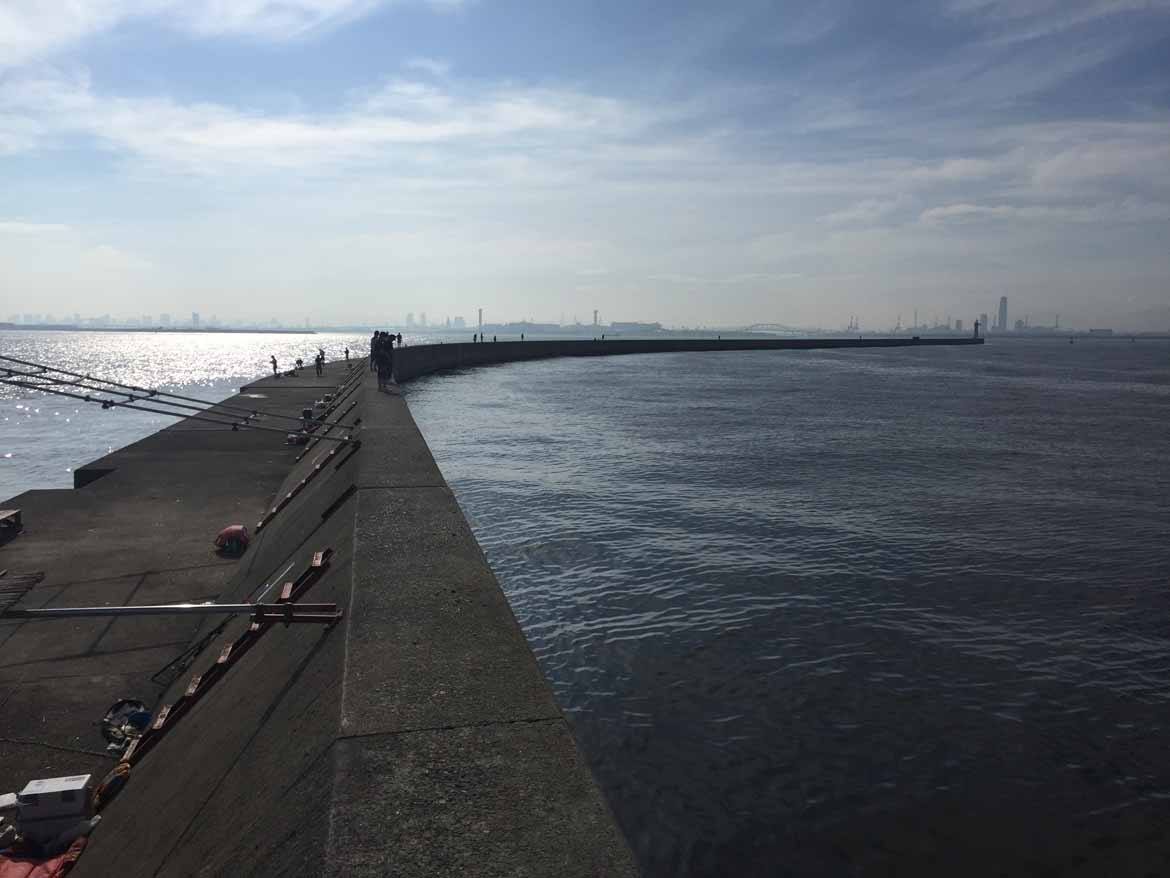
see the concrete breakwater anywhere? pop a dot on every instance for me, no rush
(411, 362)
(417, 737)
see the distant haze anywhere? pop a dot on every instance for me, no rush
(685, 162)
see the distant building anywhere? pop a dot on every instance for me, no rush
(983, 324)
(422, 319)
(164, 319)
(958, 326)
(1103, 332)
(1019, 326)
(459, 323)
(195, 319)
(1003, 317)
(410, 320)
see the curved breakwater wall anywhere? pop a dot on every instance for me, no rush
(412, 362)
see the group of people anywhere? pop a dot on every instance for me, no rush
(382, 356)
(318, 361)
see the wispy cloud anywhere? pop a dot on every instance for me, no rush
(30, 29)
(432, 66)
(17, 227)
(1021, 20)
(1126, 210)
(43, 113)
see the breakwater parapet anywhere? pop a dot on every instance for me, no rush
(414, 361)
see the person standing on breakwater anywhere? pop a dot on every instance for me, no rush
(385, 360)
(373, 351)
(319, 361)
(272, 360)
(347, 353)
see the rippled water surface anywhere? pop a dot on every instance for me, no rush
(859, 612)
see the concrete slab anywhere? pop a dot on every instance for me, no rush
(397, 458)
(142, 661)
(40, 641)
(22, 761)
(60, 712)
(431, 651)
(419, 534)
(198, 584)
(510, 799)
(385, 410)
(218, 787)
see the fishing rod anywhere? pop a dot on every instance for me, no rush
(149, 392)
(115, 403)
(44, 381)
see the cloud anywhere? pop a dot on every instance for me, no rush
(1126, 210)
(32, 28)
(432, 66)
(205, 137)
(1013, 21)
(864, 213)
(16, 227)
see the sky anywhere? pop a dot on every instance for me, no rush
(693, 163)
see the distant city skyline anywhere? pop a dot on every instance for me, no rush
(797, 162)
(165, 320)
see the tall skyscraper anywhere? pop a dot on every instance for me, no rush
(410, 320)
(481, 323)
(195, 319)
(983, 324)
(422, 319)
(1003, 324)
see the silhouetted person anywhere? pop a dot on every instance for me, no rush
(347, 353)
(320, 361)
(400, 339)
(493, 339)
(273, 361)
(522, 336)
(474, 338)
(374, 352)
(385, 360)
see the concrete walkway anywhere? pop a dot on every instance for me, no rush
(417, 738)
